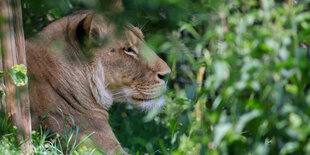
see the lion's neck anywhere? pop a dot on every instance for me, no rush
(98, 87)
(85, 85)
(81, 86)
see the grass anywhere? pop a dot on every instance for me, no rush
(43, 141)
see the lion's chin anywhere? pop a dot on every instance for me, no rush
(150, 104)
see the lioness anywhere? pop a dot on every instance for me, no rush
(121, 68)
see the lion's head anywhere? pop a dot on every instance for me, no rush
(132, 71)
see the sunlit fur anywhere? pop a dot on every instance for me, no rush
(153, 104)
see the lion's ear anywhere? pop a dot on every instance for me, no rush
(86, 30)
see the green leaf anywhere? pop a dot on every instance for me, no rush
(220, 131)
(289, 147)
(191, 30)
(291, 88)
(18, 74)
(295, 119)
(245, 118)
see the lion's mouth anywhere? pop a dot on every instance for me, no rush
(145, 99)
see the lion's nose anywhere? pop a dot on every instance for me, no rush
(163, 75)
(161, 69)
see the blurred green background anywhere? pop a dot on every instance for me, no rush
(240, 74)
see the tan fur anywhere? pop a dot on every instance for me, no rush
(85, 88)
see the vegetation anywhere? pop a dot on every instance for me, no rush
(239, 82)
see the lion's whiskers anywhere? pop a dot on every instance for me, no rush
(117, 93)
(125, 94)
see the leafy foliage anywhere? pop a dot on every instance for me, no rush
(18, 74)
(240, 74)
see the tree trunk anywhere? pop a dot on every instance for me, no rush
(13, 45)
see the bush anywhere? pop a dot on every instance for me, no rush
(240, 80)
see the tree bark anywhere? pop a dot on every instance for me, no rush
(1, 79)
(13, 45)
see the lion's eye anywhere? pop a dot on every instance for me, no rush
(129, 50)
